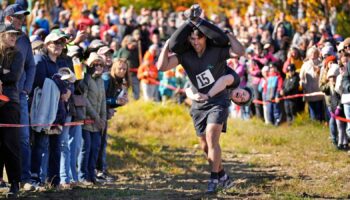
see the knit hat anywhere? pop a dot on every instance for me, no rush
(329, 59)
(333, 71)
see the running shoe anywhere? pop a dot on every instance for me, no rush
(212, 186)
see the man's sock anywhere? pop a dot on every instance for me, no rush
(222, 174)
(214, 175)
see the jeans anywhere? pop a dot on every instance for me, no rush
(274, 113)
(74, 147)
(101, 164)
(347, 115)
(49, 145)
(24, 137)
(332, 127)
(342, 137)
(135, 86)
(289, 107)
(316, 111)
(91, 142)
(65, 154)
(245, 112)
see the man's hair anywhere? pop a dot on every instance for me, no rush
(197, 32)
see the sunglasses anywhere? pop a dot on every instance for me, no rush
(20, 17)
(59, 42)
(97, 65)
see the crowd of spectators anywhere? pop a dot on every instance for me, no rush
(61, 70)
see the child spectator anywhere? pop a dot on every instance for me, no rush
(263, 82)
(168, 81)
(290, 87)
(148, 73)
(336, 106)
(272, 90)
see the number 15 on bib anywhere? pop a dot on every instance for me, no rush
(204, 79)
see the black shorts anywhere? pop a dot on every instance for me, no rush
(217, 114)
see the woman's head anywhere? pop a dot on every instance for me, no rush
(313, 53)
(95, 64)
(8, 36)
(55, 43)
(242, 96)
(119, 68)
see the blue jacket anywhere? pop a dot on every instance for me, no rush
(24, 46)
(46, 68)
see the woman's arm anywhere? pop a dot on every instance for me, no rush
(166, 62)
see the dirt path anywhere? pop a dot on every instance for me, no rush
(251, 182)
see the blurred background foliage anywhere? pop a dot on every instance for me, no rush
(312, 9)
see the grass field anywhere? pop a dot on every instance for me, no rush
(154, 152)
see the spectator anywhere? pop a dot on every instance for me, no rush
(130, 53)
(272, 89)
(148, 74)
(55, 11)
(15, 16)
(290, 87)
(47, 66)
(12, 66)
(93, 90)
(309, 78)
(116, 96)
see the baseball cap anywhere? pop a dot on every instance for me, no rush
(23, 3)
(92, 58)
(54, 36)
(96, 44)
(347, 42)
(104, 50)
(327, 50)
(15, 9)
(73, 50)
(8, 29)
(341, 46)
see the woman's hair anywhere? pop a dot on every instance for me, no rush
(116, 64)
(7, 54)
(310, 51)
(126, 40)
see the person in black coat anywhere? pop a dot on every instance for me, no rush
(290, 87)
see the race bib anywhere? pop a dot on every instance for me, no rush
(204, 79)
